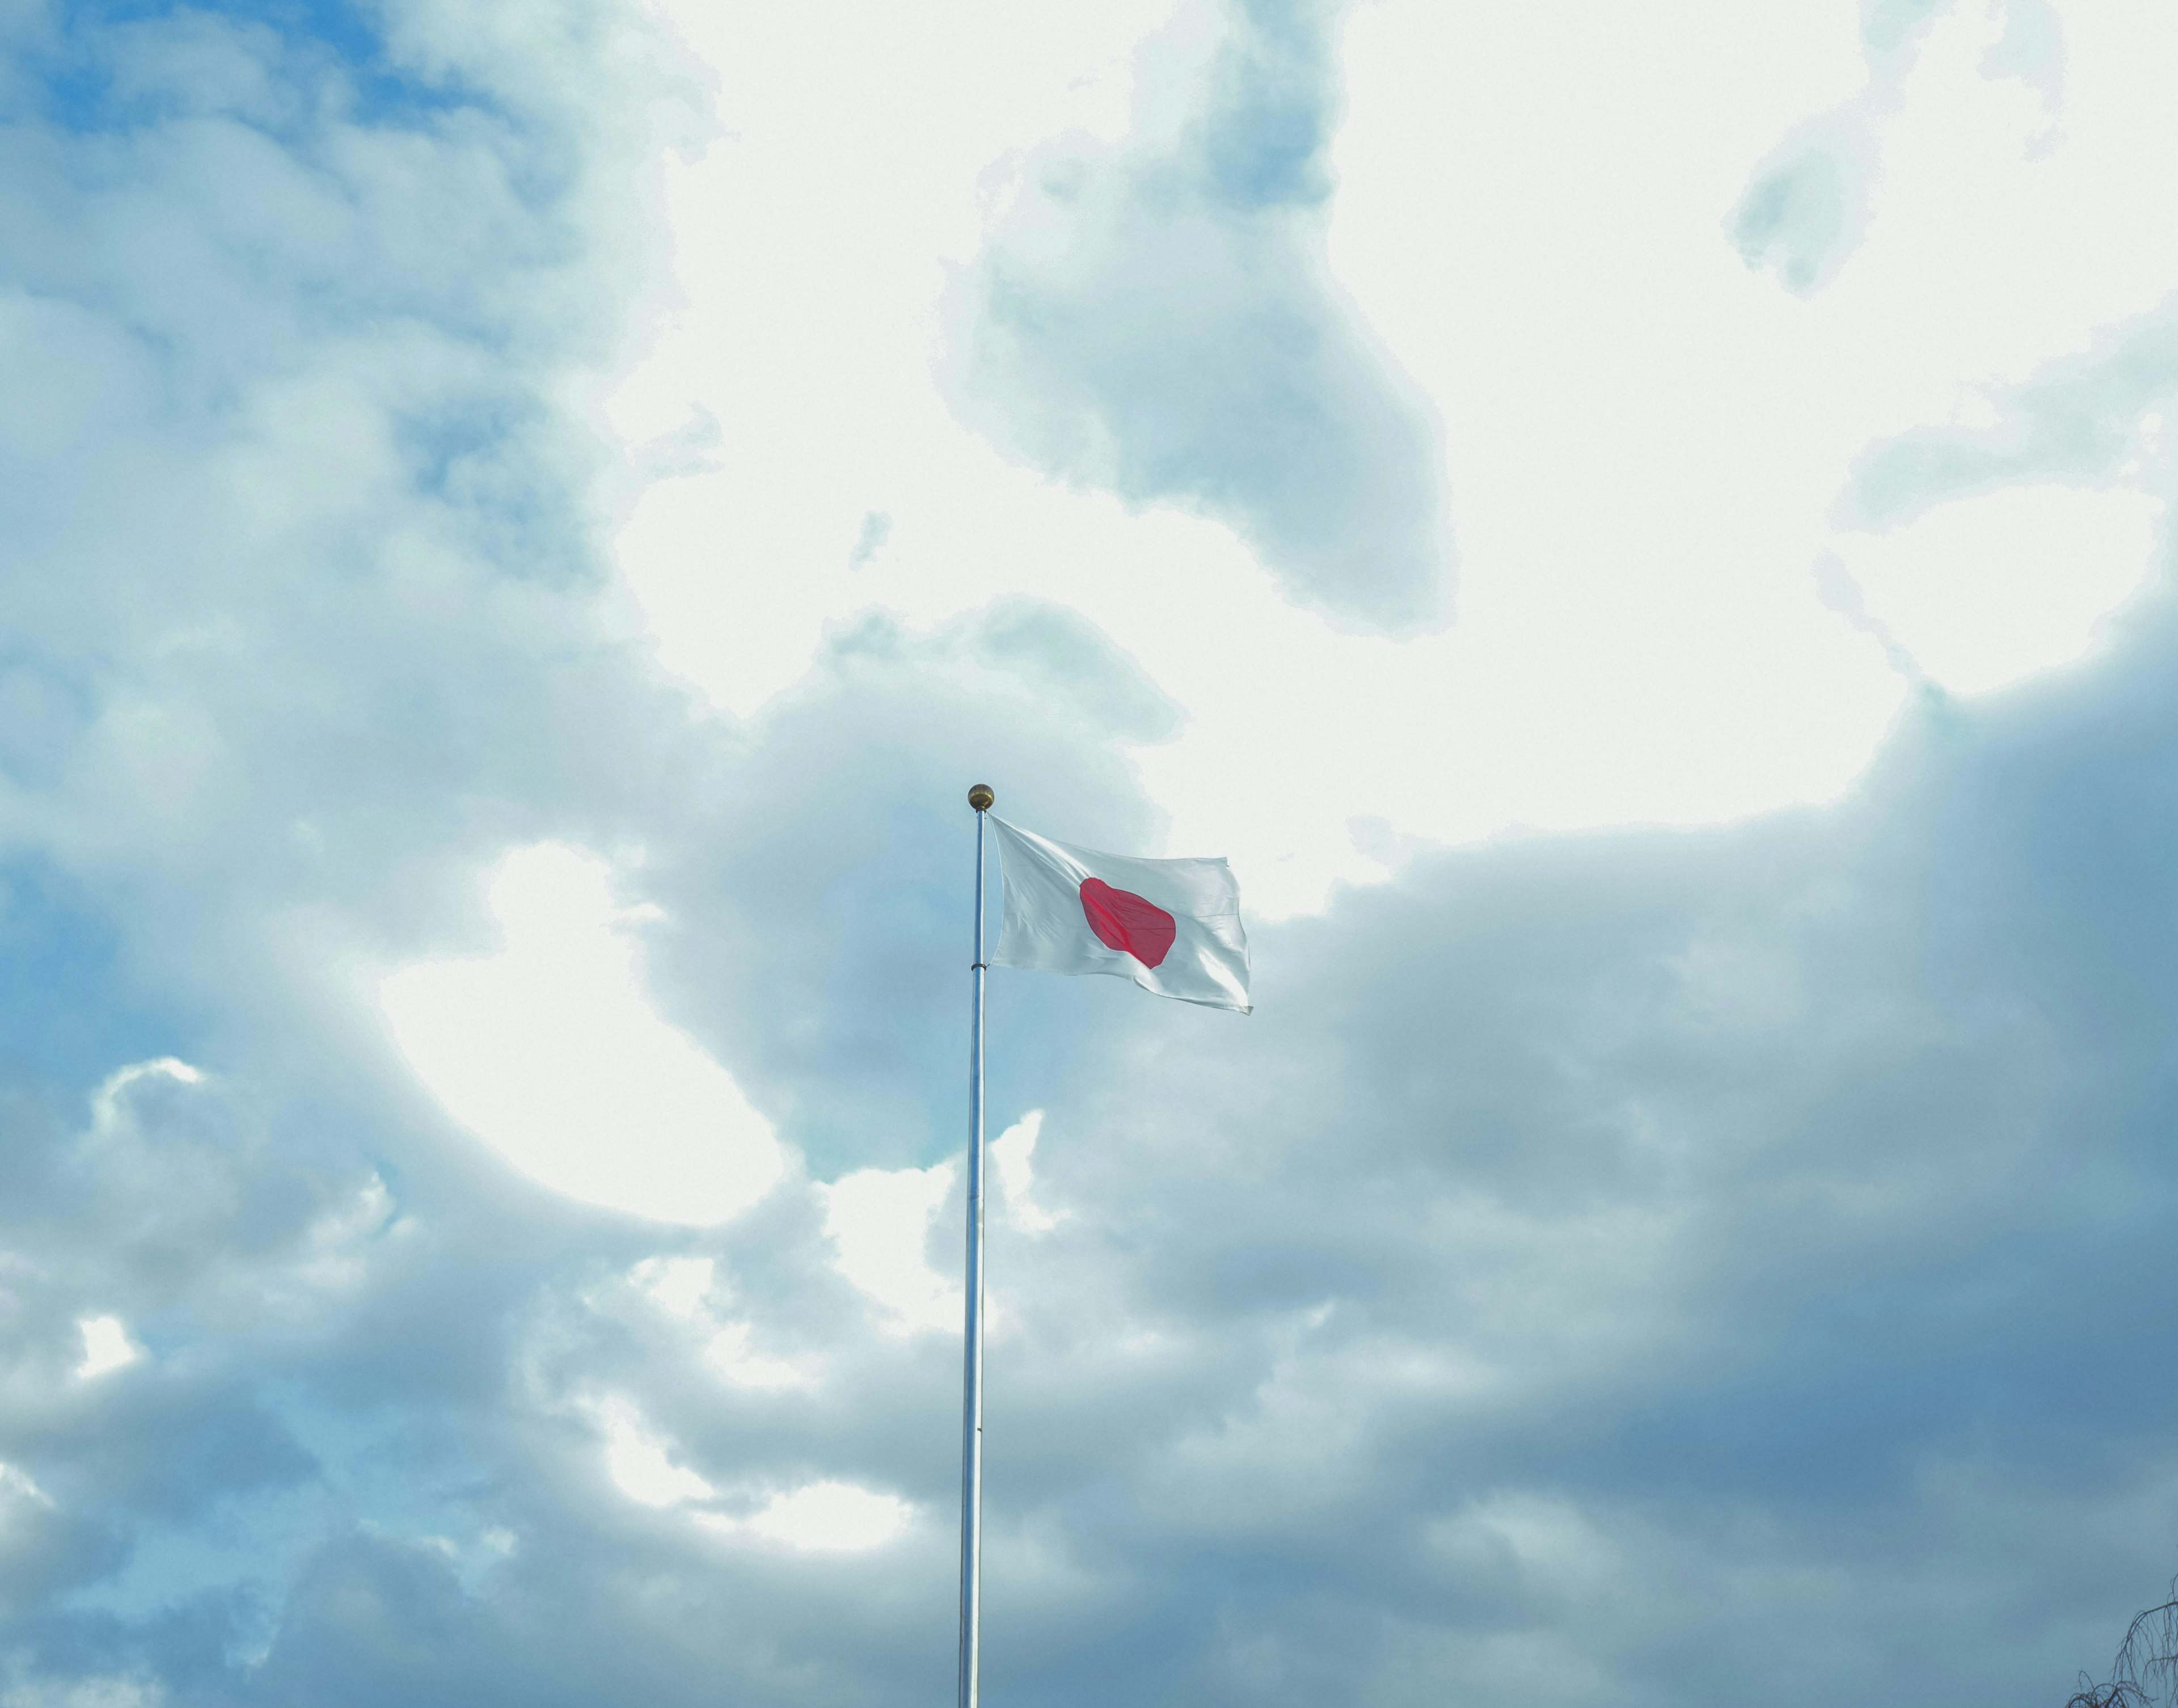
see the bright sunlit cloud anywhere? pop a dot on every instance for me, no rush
(1985, 591)
(1645, 432)
(550, 1051)
(878, 1222)
(1012, 1154)
(641, 1464)
(828, 1516)
(106, 1346)
(832, 1517)
(109, 1103)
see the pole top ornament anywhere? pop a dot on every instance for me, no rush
(980, 797)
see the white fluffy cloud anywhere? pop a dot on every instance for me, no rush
(551, 1053)
(1644, 439)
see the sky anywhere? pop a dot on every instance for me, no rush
(1640, 531)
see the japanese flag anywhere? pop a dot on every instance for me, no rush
(1171, 926)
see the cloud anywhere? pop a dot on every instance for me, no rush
(1160, 319)
(1734, 1231)
(1012, 1154)
(106, 1346)
(2091, 419)
(549, 1052)
(1064, 658)
(1808, 204)
(824, 1517)
(879, 1222)
(2037, 514)
(641, 1465)
(1610, 1268)
(1807, 207)
(2040, 568)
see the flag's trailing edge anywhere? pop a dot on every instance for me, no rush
(1171, 926)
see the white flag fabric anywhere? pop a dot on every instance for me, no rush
(1171, 926)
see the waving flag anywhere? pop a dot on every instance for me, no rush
(1171, 926)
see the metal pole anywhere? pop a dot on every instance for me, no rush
(971, 1405)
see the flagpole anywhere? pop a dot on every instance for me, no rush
(971, 1405)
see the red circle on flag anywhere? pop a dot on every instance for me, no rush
(1129, 922)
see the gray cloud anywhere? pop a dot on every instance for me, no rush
(1159, 319)
(1762, 1206)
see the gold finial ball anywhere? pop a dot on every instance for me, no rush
(980, 797)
